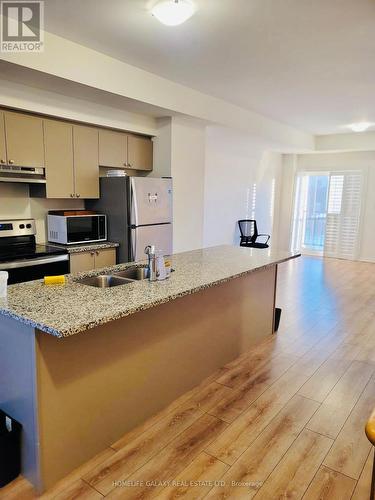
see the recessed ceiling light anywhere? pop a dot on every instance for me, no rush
(360, 126)
(173, 12)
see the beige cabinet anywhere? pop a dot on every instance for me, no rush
(86, 161)
(72, 168)
(121, 150)
(105, 257)
(58, 141)
(113, 148)
(95, 259)
(24, 140)
(139, 152)
(82, 261)
(3, 151)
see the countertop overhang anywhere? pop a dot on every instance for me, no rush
(65, 310)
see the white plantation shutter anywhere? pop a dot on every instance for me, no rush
(342, 234)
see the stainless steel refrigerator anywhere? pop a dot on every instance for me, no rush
(139, 213)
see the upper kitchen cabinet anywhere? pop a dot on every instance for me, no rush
(113, 148)
(121, 150)
(24, 140)
(3, 151)
(58, 140)
(86, 161)
(139, 152)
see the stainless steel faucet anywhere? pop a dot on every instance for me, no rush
(150, 251)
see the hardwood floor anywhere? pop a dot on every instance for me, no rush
(285, 420)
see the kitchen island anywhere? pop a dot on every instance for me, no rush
(80, 366)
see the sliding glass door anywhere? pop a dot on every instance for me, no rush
(327, 214)
(310, 213)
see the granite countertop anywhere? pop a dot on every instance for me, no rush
(64, 310)
(85, 247)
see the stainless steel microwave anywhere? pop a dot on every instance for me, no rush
(74, 229)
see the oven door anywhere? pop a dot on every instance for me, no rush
(33, 269)
(86, 228)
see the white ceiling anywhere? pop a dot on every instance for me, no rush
(308, 63)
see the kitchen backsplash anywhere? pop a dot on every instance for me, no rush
(15, 203)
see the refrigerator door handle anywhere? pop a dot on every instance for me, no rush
(133, 203)
(134, 246)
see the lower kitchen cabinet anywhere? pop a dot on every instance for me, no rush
(94, 259)
(105, 258)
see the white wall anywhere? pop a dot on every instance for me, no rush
(162, 160)
(241, 181)
(364, 160)
(364, 141)
(187, 170)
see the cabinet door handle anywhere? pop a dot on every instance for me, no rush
(2, 161)
(97, 253)
(71, 195)
(92, 254)
(11, 162)
(78, 195)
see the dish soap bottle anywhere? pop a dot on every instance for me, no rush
(161, 272)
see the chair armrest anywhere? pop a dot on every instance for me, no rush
(266, 235)
(370, 428)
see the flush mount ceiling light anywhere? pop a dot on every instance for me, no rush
(173, 12)
(360, 126)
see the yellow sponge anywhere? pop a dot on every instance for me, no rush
(54, 280)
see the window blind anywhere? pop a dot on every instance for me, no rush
(342, 233)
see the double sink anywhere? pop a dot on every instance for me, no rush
(125, 277)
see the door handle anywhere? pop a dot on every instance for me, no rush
(11, 162)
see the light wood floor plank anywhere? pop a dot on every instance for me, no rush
(79, 490)
(314, 358)
(196, 480)
(351, 448)
(136, 453)
(325, 379)
(246, 428)
(258, 461)
(336, 408)
(330, 485)
(168, 463)
(229, 408)
(211, 396)
(294, 473)
(363, 488)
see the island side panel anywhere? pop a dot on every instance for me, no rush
(97, 385)
(18, 396)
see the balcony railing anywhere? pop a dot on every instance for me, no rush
(314, 231)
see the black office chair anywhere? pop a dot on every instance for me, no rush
(250, 235)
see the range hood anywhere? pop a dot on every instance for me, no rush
(34, 175)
